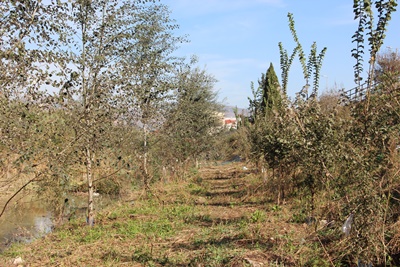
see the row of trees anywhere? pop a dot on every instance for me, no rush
(93, 87)
(336, 159)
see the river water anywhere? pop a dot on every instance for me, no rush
(31, 219)
(24, 222)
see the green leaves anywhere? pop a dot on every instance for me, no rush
(323, 151)
(363, 12)
(110, 68)
(193, 120)
(310, 69)
(286, 63)
(272, 97)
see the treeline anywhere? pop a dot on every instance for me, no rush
(93, 96)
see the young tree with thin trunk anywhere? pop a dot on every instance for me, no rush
(101, 82)
(192, 122)
(149, 77)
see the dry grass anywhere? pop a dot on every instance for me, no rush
(222, 216)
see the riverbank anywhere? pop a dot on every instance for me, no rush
(31, 218)
(221, 216)
(29, 221)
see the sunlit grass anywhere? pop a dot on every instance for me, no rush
(173, 229)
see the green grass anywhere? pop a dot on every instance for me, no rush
(175, 230)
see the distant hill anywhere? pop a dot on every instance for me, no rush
(228, 111)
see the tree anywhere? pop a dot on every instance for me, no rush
(27, 46)
(364, 13)
(387, 71)
(27, 51)
(268, 95)
(272, 95)
(108, 63)
(148, 76)
(280, 134)
(255, 103)
(193, 120)
(311, 68)
(114, 52)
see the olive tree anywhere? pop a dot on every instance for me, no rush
(148, 77)
(114, 51)
(27, 52)
(193, 120)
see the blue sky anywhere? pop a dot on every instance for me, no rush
(235, 40)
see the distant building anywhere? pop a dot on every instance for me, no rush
(230, 123)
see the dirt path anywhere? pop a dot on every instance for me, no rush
(227, 189)
(218, 217)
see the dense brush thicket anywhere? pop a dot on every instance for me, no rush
(338, 161)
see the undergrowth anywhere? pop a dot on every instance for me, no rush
(159, 231)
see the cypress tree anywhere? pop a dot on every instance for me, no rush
(271, 91)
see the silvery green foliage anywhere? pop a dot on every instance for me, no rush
(103, 63)
(193, 120)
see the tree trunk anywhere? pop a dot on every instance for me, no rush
(90, 210)
(146, 177)
(145, 150)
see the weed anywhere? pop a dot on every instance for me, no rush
(142, 255)
(194, 171)
(159, 228)
(299, 217)
(111, 255)
(198, 190)
(14, 251)
(214, 256)
(223, 233)
(257, 216)
(89, 235)
(112, 216)
(276, 208)
(181, 212)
